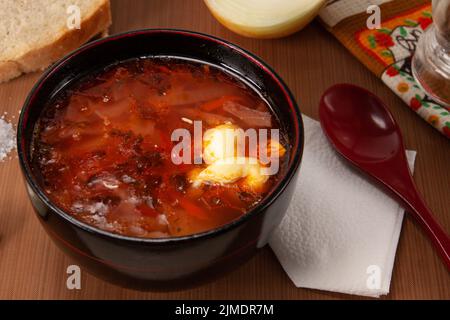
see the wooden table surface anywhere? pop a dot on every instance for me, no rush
(31, 267)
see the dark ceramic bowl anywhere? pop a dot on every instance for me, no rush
(168, 263)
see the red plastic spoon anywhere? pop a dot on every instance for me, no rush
(364, 132)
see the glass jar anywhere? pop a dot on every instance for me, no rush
(431, 61)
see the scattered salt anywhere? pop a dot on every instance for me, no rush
(7, 138)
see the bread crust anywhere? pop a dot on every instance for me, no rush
(40, 58)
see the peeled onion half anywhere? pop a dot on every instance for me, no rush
(264, 18)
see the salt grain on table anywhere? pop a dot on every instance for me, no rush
(7, 138)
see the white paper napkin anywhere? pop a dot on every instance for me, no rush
(341, 231)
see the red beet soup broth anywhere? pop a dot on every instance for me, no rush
(102, 148)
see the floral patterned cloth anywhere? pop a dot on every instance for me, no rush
(387, 51)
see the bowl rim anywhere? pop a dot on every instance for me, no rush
(262, 206)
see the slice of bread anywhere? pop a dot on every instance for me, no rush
(36, 33)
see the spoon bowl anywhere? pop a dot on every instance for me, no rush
(361, 128)
(366, 131)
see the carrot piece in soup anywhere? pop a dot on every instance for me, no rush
(217, 103)
(193, 209)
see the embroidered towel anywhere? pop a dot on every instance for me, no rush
(387, 51)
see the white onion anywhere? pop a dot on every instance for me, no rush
(264, 18)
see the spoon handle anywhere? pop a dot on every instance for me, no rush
(414, 204)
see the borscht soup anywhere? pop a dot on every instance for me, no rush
(158, 147)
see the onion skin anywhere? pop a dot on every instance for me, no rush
(271, 32)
